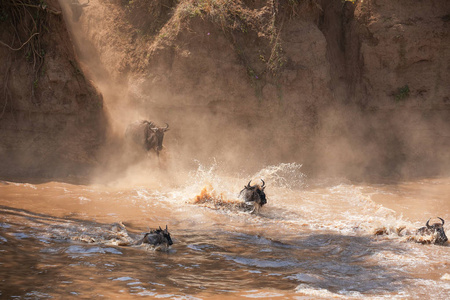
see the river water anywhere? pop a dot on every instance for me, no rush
(313, 240)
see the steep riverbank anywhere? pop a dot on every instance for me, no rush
(52, 119)
(357, 89)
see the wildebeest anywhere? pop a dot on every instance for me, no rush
(429, 234)
(117, 234)
(158, 238)
(436, 230)
(146, 135)
(254, 195)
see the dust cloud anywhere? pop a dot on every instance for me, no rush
(387, 143)
(329, 140)
(196, 135)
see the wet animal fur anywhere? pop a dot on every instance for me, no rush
(254, 196)
(435, 230)
(118, 235)
(429, 234)
(158, 238)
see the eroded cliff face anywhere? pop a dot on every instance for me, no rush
(390, 58)
(51, 115)
(404, 46)
(344, 88)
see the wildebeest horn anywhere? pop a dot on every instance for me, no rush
(167, 228)
(167, 127)
(248, 185)
(428, 224)
(160, 228)
(263, 183)
(442, 221)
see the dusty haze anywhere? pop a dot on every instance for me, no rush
(356, 90)
(341, 108)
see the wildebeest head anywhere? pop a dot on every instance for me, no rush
(158, 237)
(436, 229)
(254, 194)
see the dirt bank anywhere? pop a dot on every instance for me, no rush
(342, 87)
(358, 89)
(51, 116)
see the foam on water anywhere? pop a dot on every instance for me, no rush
(314, 240)
(261, 294)
(342, 207)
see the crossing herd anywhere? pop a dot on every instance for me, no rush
(149, 137)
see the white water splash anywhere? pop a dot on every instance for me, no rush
(284, 175)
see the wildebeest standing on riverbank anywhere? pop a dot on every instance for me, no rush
(145, 135)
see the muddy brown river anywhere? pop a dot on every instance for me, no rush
(313, 240)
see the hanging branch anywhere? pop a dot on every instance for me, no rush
(29, 20)
(42, 6)
(4, 44)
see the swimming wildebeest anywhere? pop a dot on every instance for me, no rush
(254, 195)
(436, 230)
(118, 235)
(146, 135)
(158, 238)
(429, 234)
